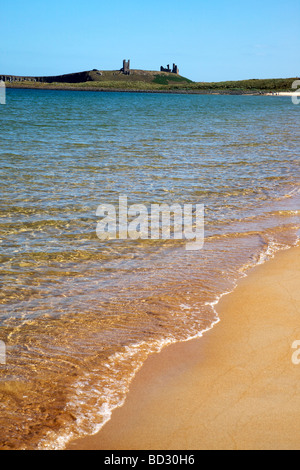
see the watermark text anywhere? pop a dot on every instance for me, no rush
(2, 92)
(2, 353)
(157, 222)
(296, 94)
(296, 354)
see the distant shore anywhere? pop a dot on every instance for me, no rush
(67, 87)
(234, 389)
(141, 81)
(127, 90)
(284, 93)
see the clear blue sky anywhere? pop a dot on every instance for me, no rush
(210, 40)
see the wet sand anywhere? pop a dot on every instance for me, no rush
(235, 388)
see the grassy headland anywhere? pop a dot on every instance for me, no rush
(151, 81)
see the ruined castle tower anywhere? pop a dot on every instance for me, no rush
(175, 69)
(167, 69)
(126, 67)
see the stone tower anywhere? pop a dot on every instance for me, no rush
(175, 69)
(126, 67)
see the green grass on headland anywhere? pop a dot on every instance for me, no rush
(141, 80)
(255, 85)
(168, 79)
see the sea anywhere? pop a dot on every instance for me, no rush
(79, 314)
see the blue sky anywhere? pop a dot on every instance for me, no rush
(209, 40)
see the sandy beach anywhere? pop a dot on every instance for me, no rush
(284, 93)
(235, 388)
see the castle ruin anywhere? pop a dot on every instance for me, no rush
(79, 77)
(126, 67)
(167, 69)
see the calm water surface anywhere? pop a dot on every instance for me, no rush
(79, 316)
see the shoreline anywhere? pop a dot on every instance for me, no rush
(169, 92)
(234, 388)
(126, 90)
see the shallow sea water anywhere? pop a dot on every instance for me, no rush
(78, 315)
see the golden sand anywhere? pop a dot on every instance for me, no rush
(235, 388)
